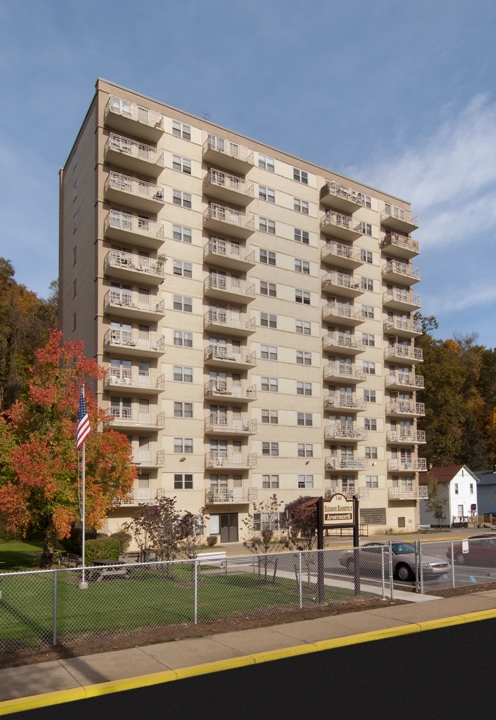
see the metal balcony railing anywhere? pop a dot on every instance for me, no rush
(362, 493)
(229, 319)
(391, 211)
(397, 323)
(228, 250)
(231, 460)
(126, 109)
(405, 407)
(405, 351)
(339, 251)
(344, 432)
(126, 183)
(226, 424)
(401, 268)
(336, 340)
(221, 352)
(134, 379)
(134, 149)
(344, 401)
(230, 216)
(143, 496)
(341, 280)
(225, 389)
(409, 464)
(127, 261)
(127, 417)
(134, 224)
(338, 220)
(234, 495)
(341, 311)
(344, 192)
(343, 371)
(133, 300)
(229, 284)
(402, 242)
(405, 379)
(229, 148)
(134, 339)
(229, 182)
(148, 458)
(400, 295)
(398, 493)
(406, 436)
(336, 463)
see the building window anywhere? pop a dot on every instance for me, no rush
(370, 423)
(303, 388)
(456, 488)
(185, 269)
(183, 374)
(74, 321)
(267, 288)
(367, 312)
(183, 409)
(301, 236)
(268, 226)
(183, 482)
(181, 198)
(303, 327)
(371, 453)
(367, 284)
(270, 449)
(181, 164)
(267, 257)
(368, 339)
(302, 266)
(267, 320)
(368, 367)
(369, 396)
(302, 296)
(300, 206)
(183, 445)
(366, 199)
(269, 384)
(182, 234)
(366, 228)
(305, 481)
(303, 357)
(266, 163)
(304, 419)
(266, 194)
(268, 352)
(300, 176)
(185, 304)
(74, 288)
(74, 255)
(371, 481)
(270, 481)
(270, 416)
(183, 339)
(366, 256)
(305, 450)
(471, 488)
(181, 130)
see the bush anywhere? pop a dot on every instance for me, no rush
(212, 540)
(124, 539)
(102, 549)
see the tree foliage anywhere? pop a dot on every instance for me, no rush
(437, 500)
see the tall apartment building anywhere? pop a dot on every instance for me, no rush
(254, 313)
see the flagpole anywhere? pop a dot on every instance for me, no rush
(83, 585)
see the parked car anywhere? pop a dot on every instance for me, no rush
(403, 561)
(482, 552)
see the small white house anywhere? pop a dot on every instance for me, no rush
(462, 494)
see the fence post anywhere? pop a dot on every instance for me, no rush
(300, 587)
(196, 568)
(391, 579)
(383, 550)
(54, 620)
(452, 564)
(421, 569)
(417, 565)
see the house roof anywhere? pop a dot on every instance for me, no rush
(444, 474)
(486, 477)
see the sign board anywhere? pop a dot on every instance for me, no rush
(464, 546)
(338, 512)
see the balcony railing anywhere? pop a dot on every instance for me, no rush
(345, 342)
(402, 244)
(412, 464)
(399, 218)
(398, 493)
(236, 495)
(224, 389)
(333, 462)
(148, 458)
(341, 225)
(405, 380)
(405, 407)
(125, 378)
(405, 351)
(362, 493)
(341, 196)
(401, 325)
(341, 254)
(121, 260)
(231, 460)
(229, 220)
(395, 267)
(233, 253)
(228, 153)
(135, 154)
(344, 401)
(223, 353)
(139, 188)
(143, 496)
(134, 340)
(347, 313)
(228, 187)
(229, 285)
(128, 418)
(344, 432)
(230, 320)
(406, 436)
(401, 297)
(220, 423)
(133, 301)
(343, 371)
(347, 283)
(121, 225)
(150, 121)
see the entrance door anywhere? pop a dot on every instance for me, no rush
(229, 527)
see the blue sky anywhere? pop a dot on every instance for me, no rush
(399, 95)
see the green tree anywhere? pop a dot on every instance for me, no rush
(438, 499)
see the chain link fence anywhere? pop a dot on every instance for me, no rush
(469, 562)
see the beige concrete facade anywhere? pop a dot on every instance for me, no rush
(254, 313)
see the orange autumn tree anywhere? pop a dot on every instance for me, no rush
(39, 483)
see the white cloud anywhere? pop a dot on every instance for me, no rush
(461, 298)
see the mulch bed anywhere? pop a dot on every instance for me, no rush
(465, 589)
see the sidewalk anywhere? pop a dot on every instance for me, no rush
(92, 675)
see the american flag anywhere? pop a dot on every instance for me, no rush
(83, 423)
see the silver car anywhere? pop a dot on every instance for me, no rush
(403, 561)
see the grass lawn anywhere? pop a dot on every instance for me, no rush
(15, 555)
(144, 599)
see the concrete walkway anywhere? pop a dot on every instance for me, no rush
(80, 677)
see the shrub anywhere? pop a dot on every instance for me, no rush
(102, 549)
(124, 539)
(212, 540)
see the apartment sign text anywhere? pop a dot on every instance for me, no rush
(337, 512)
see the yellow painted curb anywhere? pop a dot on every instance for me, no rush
(441, 622)
(366, 637)
(216, 666)
(292, 651)
(479, 615)
(32, 702)
(132, 683)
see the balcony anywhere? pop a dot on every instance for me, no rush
(409, 465)
(143, 496)
(133, 305)
(236, 496)
(401, 272)
(228, 289)
(400, 246)
(362, 493)
(227, 154)
(231, 461)
(230, 392)
(404, 353)
(228, 188)
(402, 380)
(398, 219)
(344, 401)
(343, 314)
(124, 419)
(149, 459)
(229, 322)
(341, 226)
(128, 117)
(133, 268)
(402, 328)
(346, 344)
(400, 299)
(219, 424)
(341, 255)
(343, 284)
(341, 197)
(234, 358)
(134, 193)
(344, 433)
(397, 493)
(229, 221)
(229, 255)
(132, 229)
(133, 343)
(140, 383)
(405, 408)
(409, 437)
(343, 373)
(333, 462)
(134, 156)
